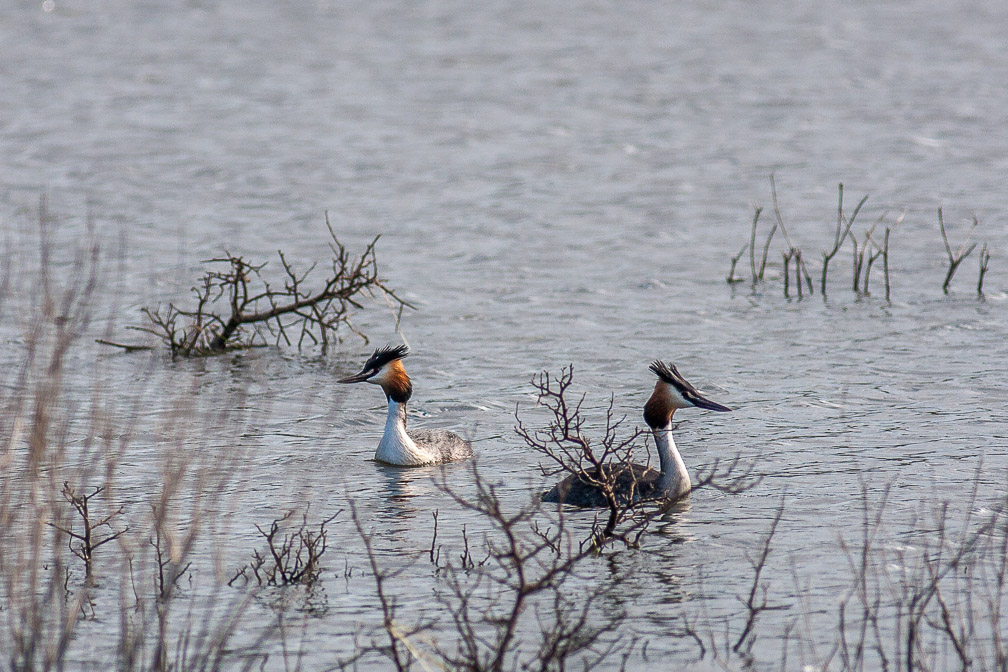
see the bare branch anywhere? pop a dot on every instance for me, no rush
(253, 308)
(959, 255)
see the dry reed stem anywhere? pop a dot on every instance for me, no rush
(752, 243)
(60, 434)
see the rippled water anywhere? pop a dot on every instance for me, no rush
(553, 184)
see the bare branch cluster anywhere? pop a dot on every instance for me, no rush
(293, 554)
(607, 465)
(864, 252)
(935, 604)
(964, 250)
(510, 607)
(723, 646)
(88, 538)
(237, 307)
(565, 444)
(47, 524)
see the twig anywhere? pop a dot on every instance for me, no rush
(787, 270)
(125, 346)
(954, 258)
(766, 251)
(753, 606)
(843, 228)
(984, 261)
(752, 243)
(787, 236)
(731, 279)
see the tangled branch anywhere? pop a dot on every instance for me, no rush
(237, 307)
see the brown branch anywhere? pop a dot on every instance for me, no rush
(256, 308)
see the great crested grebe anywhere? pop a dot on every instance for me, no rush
(637, 482)
(414, 448)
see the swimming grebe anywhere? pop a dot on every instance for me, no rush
(415, 448)
(637, 482)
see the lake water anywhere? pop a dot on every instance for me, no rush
(554, 183)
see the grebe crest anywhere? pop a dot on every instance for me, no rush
(635, 482)
(398, 446)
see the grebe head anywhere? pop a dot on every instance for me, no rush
(385, 368)
(673, 392)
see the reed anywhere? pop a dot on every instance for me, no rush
(79, 552)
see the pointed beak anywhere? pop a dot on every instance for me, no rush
(702, 402)
(356, 378)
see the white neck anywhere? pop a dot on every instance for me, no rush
(674, 479)
(396, 446)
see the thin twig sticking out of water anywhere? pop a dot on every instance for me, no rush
(859, 259)
(959, 255)
(513, 610)
(984, 261)
(766, 251)
(787, 254)
(756, 605)
(843, 228)
(89, 542)
(435, 557)
(752, 247)
(787, 236)
(731, 279)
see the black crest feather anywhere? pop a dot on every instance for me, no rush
(383, 356)
(670, 374)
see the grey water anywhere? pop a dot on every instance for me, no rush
(554, 183)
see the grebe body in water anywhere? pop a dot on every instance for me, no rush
(635, 482)
(398, 446)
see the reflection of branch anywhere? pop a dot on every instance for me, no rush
(955, 258)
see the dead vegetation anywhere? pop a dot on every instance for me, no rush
(869, 247)
(510, 602)
(89, 538)
(569, 449)
(54, 438)
(293, 554)
(238, 306)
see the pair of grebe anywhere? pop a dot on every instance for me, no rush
(672, 392)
